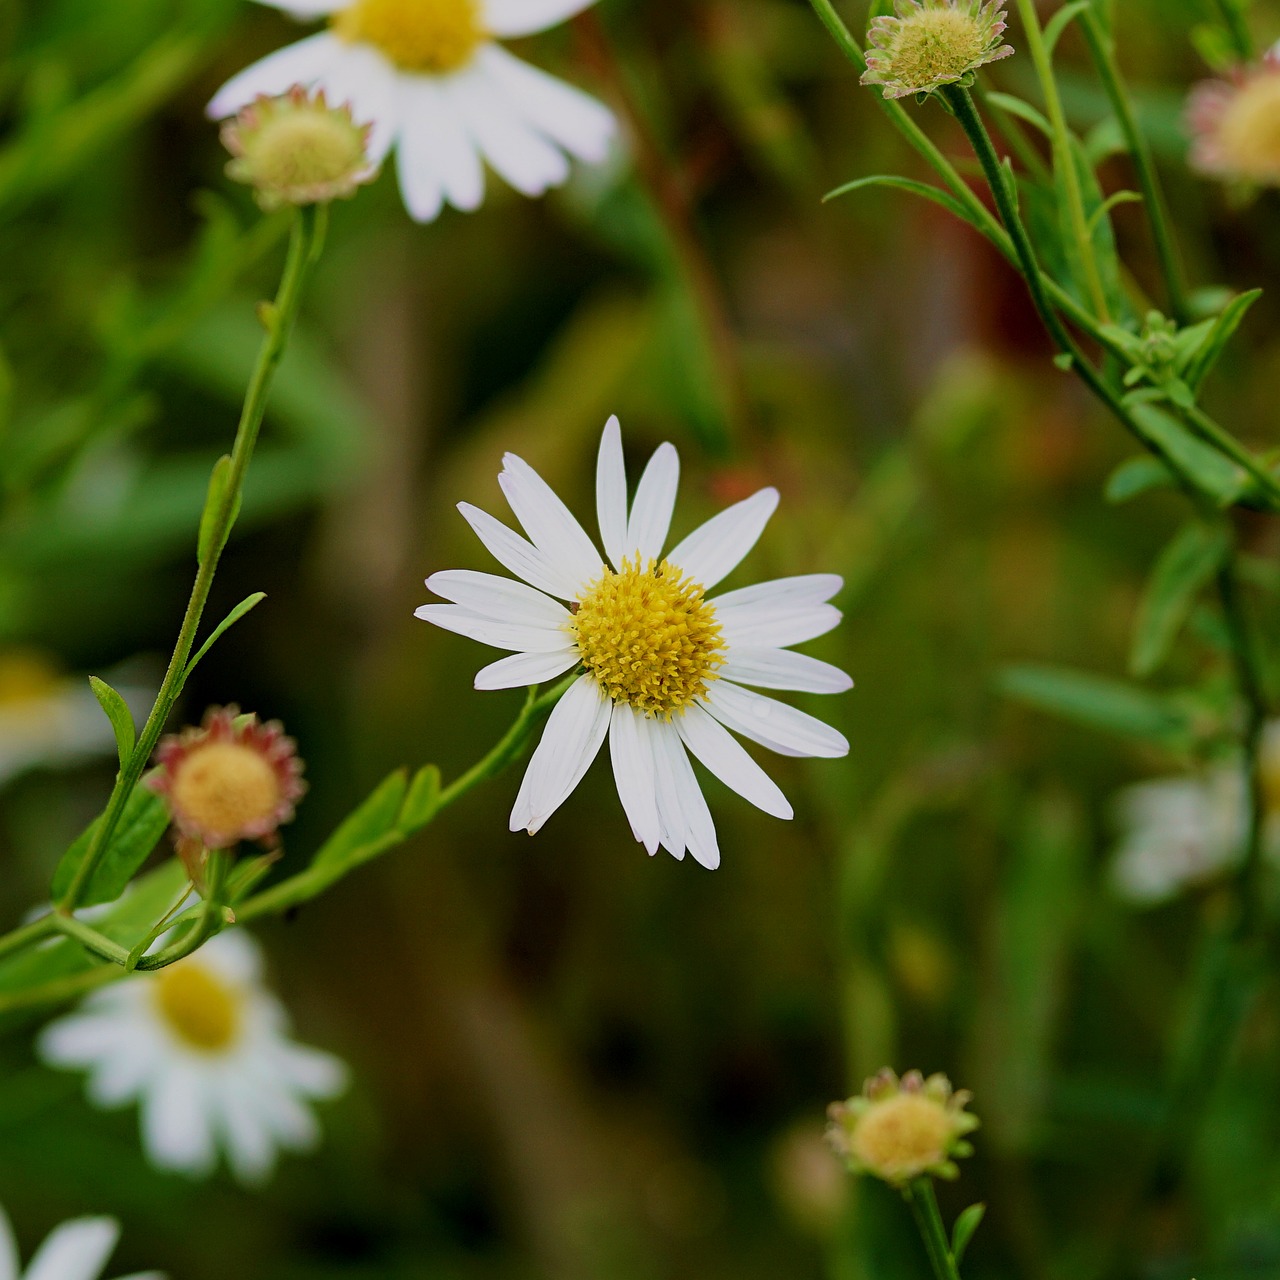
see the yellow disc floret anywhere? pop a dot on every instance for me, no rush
(434, 36)
(198, 1007)
(1248, 138)
(226, 787)
(936, 44)
(902, 1136)
(649, 637)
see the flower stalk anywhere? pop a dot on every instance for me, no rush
(920, 1196)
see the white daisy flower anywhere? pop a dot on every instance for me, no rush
(1181, 832)
(431, 79)
(663, 667)
(203, 1047)
(77, 1250)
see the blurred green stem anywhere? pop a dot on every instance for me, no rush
(1233, 16)
(924, 1208)
(28, 935)
(1102, 49)
(215, 525)
(1064, 159)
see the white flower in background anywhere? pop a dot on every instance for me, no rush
(663, 666)
(1181, 832)
(77, 1250)
(203, 1047)
(430, 78)
(50, 719)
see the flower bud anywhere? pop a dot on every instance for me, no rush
(902, 1129)
(296, 149)
(232, 779)
(931, 43)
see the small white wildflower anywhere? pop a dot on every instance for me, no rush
(77, 1250)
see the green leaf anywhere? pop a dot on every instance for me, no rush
(1189, 562)
(1099, 703)
(1058, 23)
(120, 716)
(1118, 198)
(1213, 474)
(1222, 331)
(422, 802)
(245, 605)
(923, 189)
(139, 830)
(208, 546)
(375, 819)
(1137, 476)
(966, 1224)
(1023, 110)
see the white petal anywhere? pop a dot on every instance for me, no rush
(311, 1072)
(363, 79)
(773, 724)
(611, 493)
(303, 9)
(655, 501)
(525, 17)
(499, 635)
(568, 117)
(758, 627)
(727, 758)
(145, 1275)
(301, 63)
(548, 522)
(807, 589)
(9, 1261)
(250, 1144)
(175, 1124)
(570, 742)
(432, 136)
(633, 772)
(81, 1039)
(518, 153)
(499, 598)
(713, 551)
(419, 176)
(679, 794)
(782, 669)
(77, 1250)
(523, 669)
(123, 1076)
(523, 559)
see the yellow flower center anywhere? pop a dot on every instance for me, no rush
(937, 44)
(201, 1010)
(1249, 133)
(305, 149)
(436, 36)
(224, 788)
(649, 637)
(903, 1136)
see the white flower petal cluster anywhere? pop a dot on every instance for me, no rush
(77, 1250)
(445, 125)
(745, 638)
(210, 1062)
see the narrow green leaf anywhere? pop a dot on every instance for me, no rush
(141, 825)
(1099, 703)
(372, 821)
(1223, 330)
(1119, 198)
(966, 1224)
(923, 189)
(422, 802)
(1212, 473)
(1189, 562)
(1137, 476)
(218, 481)
(1058, 23)
(120, 716)
(1023, 110)
(245, 605)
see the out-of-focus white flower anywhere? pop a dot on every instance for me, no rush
(663, 666)
(1180, 832)
(47, 718)
(430, 78)
(77, 1250)
(203, 1047)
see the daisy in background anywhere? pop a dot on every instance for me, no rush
(1180, 832)
(203, 1047)
(663, 667)
(430, 79)
(77, 1250)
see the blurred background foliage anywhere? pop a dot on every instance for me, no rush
(572, 1061)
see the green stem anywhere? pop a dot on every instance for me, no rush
(279, 318)
(1064, 159)
(1102, 50)
(92, 940)
(1238, 28)
(924, 1208)
(28, 935)
(1225, 442)
(59, 990)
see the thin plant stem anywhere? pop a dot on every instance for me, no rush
(1064, 160)
(1102, 50)
(279, 318)
(1224, 441)
(92, 940)
(924, 1208)
(28, 935)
